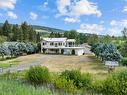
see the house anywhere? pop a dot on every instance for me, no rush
(61, 46)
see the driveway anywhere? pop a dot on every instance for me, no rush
(27, 61)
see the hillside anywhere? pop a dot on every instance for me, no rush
(47, 29)
(44, 29)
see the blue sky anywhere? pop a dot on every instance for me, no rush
(86, 16)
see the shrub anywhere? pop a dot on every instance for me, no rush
(80, 80)
(15, 49)
(115, 84)
(106, 52)
(96, 87)
(65, 85)
(124, 61)
(38, 75)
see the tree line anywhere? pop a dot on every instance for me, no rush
(82, 37)
(15, 49)
(19, 33)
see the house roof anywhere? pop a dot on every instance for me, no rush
(55, 39)
(70, 40)
(58, 40)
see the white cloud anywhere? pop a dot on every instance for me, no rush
(91, 28)
(117, 27)
(71, 20)
(125, 9)
(122, 23)
(45, 4)
(77, 8)
(7, 4)
(33, 16)
(12, 15)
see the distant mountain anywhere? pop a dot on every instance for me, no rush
(47, 29)
(44, 29)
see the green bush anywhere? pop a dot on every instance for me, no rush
(115, 84)
(96, 87)
(64, 85)
(38, 75)
(124, 61)
(80, 80)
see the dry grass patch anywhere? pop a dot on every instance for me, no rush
(20, 60)
(86, 63)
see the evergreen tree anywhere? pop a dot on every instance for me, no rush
(6, 29)
(38, 38)
(66, 34)
(20, 36)
(52, 35)
(15, 31)
(25, 31)
(32, 34)
(73, 34)
(1, 32)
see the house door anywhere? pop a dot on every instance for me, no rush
(73, 52)
(62, 51)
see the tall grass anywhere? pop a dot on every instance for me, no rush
(16, 88)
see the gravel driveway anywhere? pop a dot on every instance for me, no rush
(21, 67)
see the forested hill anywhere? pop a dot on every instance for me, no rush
(47, 29)
(44, 29)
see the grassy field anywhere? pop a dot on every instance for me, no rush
(59, 63)
(16, 88)
(56, 64)
(19, 60)
(86, 63)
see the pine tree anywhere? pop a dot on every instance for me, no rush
(51, 35)
(15, 31)
(25, 31)
(20, 35)
(38, 38)
(6, 29)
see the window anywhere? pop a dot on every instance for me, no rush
(43, 43)
(51, 44)
(60, 44)
(55, 44)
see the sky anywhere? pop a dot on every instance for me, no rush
(105, 17)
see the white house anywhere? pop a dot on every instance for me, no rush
(61, 46)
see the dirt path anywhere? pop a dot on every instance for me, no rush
(26, 62)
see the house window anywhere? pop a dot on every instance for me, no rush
(60, 44)
(43, 43)
(55, 44)
(51, 44)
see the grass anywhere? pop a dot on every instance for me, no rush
(19, 60)
(8, 87)
(8, 63)
(86, 63)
